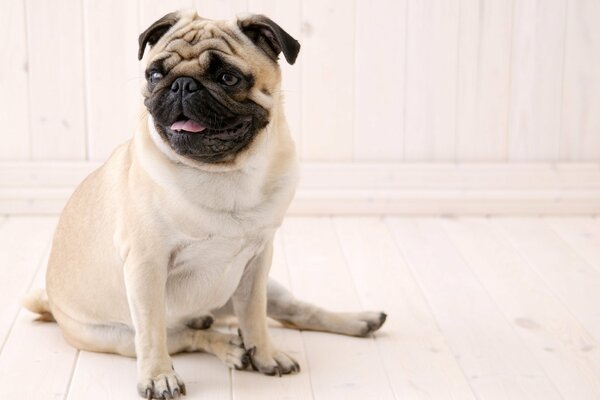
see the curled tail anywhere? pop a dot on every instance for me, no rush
(37, 302)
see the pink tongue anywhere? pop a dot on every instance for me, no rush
(188, 126)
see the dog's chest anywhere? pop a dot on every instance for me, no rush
(204, 272)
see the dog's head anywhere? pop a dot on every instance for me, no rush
(211, 85)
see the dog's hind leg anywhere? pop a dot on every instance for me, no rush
(119, 339)
(285, 308)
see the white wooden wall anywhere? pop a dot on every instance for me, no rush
(377, 81)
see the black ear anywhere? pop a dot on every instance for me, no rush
(156, 31)
(269, 36)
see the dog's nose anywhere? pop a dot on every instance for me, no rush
(185, 84)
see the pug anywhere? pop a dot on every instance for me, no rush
(177, 226)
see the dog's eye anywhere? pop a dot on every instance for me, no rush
(155, 77)
(228, 79)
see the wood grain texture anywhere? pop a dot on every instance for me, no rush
(14, 74)
(328, 80)
(340, 366)
(220, 9)
(56, 82)
(416, 356)
(431, 70)
(490, 352)
(35, 361)
(582, 234)
(556, 339)
(380, 86)
(536, 79)
(580, 119)
(366, 188)
(24, 242)
(113, 78)
(483, 80)
(570, 276)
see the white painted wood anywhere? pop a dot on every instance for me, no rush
(573, 280)
(380, 61)
(431, 71)
(490, 353)
(580, 121)
(416, 356)
(151, 10)
(340, 366)
(288, 15)
(23, 243)
(56, 81)
(484, 50)
(36, 362)
(220, 9)
(536, 79)
(113, 79)
(328, 79)
(375, 176)
(14, 94)
(103, 376)
(564, 349)
(582, 234)
(109, 376)
(364, 188)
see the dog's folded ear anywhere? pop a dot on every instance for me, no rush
(156, 31)
(269, 37)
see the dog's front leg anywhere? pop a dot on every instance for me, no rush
(145, 282)
(250, 306)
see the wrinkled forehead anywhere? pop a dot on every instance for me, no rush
(193, 45)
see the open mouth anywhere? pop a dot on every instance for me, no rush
(186, 126)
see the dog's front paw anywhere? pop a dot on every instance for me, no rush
(273, 362)
(163, 386)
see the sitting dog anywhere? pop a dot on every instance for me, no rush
(178, 224)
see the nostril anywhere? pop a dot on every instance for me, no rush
(190, 85)
(185, 84)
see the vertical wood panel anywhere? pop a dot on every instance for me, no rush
(328, 80)
(580, 125)
(431, 71)
(288, 15)
(56, 83)
(536, 79)
(220, 9)
(152, 10)
(112, 74)
(380, 62)
(483, 79)
(14, 96)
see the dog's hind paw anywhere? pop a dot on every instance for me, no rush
(203, 322)
(372, 320)
(230, 349)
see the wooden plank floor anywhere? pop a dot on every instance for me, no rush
(479, 308)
